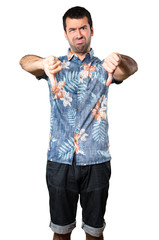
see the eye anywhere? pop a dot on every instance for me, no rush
(71, 29)
(84, 27)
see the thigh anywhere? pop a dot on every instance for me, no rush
(63, 193)
(94, 194)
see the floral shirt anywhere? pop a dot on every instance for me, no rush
(79, 123)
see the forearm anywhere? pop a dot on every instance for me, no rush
(126, 68)
(33, 64)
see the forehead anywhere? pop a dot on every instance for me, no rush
(76, 23)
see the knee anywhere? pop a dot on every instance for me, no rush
(62, 236)
(90, 237)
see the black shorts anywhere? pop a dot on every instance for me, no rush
(66, 183)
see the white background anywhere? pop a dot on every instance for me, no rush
(35, 27)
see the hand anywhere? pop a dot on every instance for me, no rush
(110, 64)
(52, 66)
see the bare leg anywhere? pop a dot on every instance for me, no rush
(62, 236)
(89, 237)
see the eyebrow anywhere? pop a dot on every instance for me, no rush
(84, 26)
(72, 29)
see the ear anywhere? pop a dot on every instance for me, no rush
(92, 31)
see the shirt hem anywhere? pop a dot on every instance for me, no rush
(81, 163)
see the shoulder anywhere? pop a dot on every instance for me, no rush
(63, 58)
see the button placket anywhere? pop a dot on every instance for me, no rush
(78, 105)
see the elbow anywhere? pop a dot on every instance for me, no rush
(130, 71)
(135, 68)
(21, 62)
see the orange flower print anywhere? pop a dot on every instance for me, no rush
(99, 111)
(59, 90)
(62, 94)
(86, 72)
(89, 68)
(76, 138)
(82, 135)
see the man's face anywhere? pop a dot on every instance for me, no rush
(78, 34)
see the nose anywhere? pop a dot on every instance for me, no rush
(78, 33)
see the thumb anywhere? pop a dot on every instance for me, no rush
(53, 82)
(109, 79)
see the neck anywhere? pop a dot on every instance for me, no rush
(81, 56)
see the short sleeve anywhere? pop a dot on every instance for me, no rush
(116, 82)
(44, 76)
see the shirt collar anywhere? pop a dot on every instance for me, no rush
(70, 55)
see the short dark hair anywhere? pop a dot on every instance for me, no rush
(77, 13)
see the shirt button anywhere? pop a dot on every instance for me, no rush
(79, 93)
(78, 109)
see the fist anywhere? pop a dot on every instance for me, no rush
(52, 66)
(110, 64)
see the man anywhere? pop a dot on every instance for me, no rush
(78, 156)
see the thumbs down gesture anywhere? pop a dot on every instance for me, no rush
(110, 65)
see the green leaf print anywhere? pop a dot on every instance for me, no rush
(104, 153)
(67, 149)
(99, 131)
(72, 117)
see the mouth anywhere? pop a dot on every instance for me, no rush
(79, 41)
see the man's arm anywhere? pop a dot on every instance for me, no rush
(33, 64)
(119, 67)
(38, 66)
